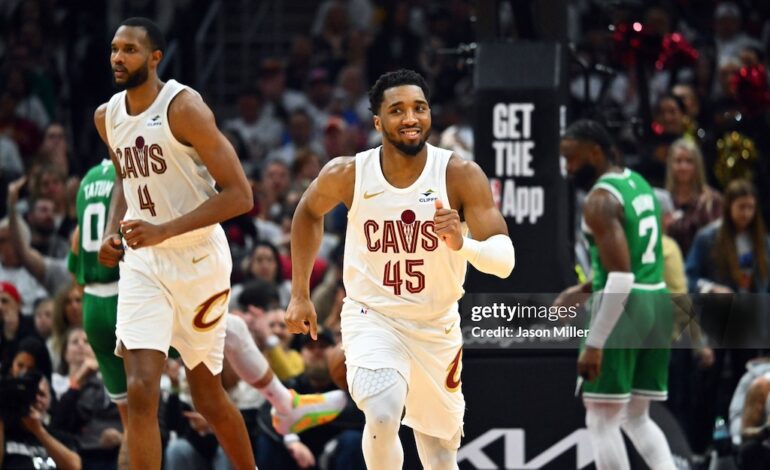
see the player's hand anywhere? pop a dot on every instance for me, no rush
(301, 454)
(720, 289)
(33, 422)
(301, 317)
(197, 422)
(705, 357)
(14, 188)
(571, 296)
(111, 251)
(110, 438)
(590, 363)
(447, 226)
(140, 234)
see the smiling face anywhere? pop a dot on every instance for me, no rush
(131, 57)
(404, 119)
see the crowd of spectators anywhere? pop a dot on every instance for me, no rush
(676, 121)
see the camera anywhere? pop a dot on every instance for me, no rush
(17, 394)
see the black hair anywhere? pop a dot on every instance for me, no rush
(587, 130)
(394, 79)
(154, 35)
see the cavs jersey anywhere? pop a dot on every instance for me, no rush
(394, 262)
(162, 178)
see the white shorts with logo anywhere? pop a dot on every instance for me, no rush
(428, 355)
(176, 294)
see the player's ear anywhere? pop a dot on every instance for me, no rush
(156, 56)
(377, 123)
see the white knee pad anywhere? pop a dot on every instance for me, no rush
(365, 383)
(380, 394)
(241, 351)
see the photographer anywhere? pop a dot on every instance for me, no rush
(25, 441)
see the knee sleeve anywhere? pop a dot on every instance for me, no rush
(241, 351)
(380, 394)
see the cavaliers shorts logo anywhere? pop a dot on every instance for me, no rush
(199, 322)
(452, 383)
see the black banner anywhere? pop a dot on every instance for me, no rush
(518, 117)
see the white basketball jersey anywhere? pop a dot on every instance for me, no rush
(162, 178)
(394, 262)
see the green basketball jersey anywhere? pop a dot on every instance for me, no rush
(642, 225)
(93, 205)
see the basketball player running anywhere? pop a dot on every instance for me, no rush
(175, 275)
(100, 304)
(625, 358)
(405, 262)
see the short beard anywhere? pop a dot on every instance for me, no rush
(406, 149)
(585, 177)
(135, 79)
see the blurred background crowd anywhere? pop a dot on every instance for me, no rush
(681, 84)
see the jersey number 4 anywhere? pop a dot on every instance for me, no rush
(145, 201)
(649, 225)
(392, 276)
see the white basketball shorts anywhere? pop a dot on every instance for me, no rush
(176, 294)
(428, 355)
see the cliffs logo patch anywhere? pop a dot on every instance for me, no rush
(154, 121)
(427, 196)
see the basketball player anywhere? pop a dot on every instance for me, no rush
(622, 220)
(405, 262)
(175, 274)
(100, 303)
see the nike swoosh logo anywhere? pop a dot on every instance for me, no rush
(369, 196)
(198, 260)
(447, 330)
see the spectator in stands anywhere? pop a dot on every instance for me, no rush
(50, 273)
(26, 441)
(42, 224)
(299, 62)
(29, 106)
(195, 446)
(356, 101)
(275, 187)
(308, 449)
(304, 170)
(330, 45)
(695, 203)
(264, 263)
(51, 183)
(750, 416)
(24, 133)
(259, 131)
(301, 137)
(13, 325)
(54, 149)
(67, 314)
(84, 410)
(730, 255)
(12, 270)
(43, 316)
(280, 102)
